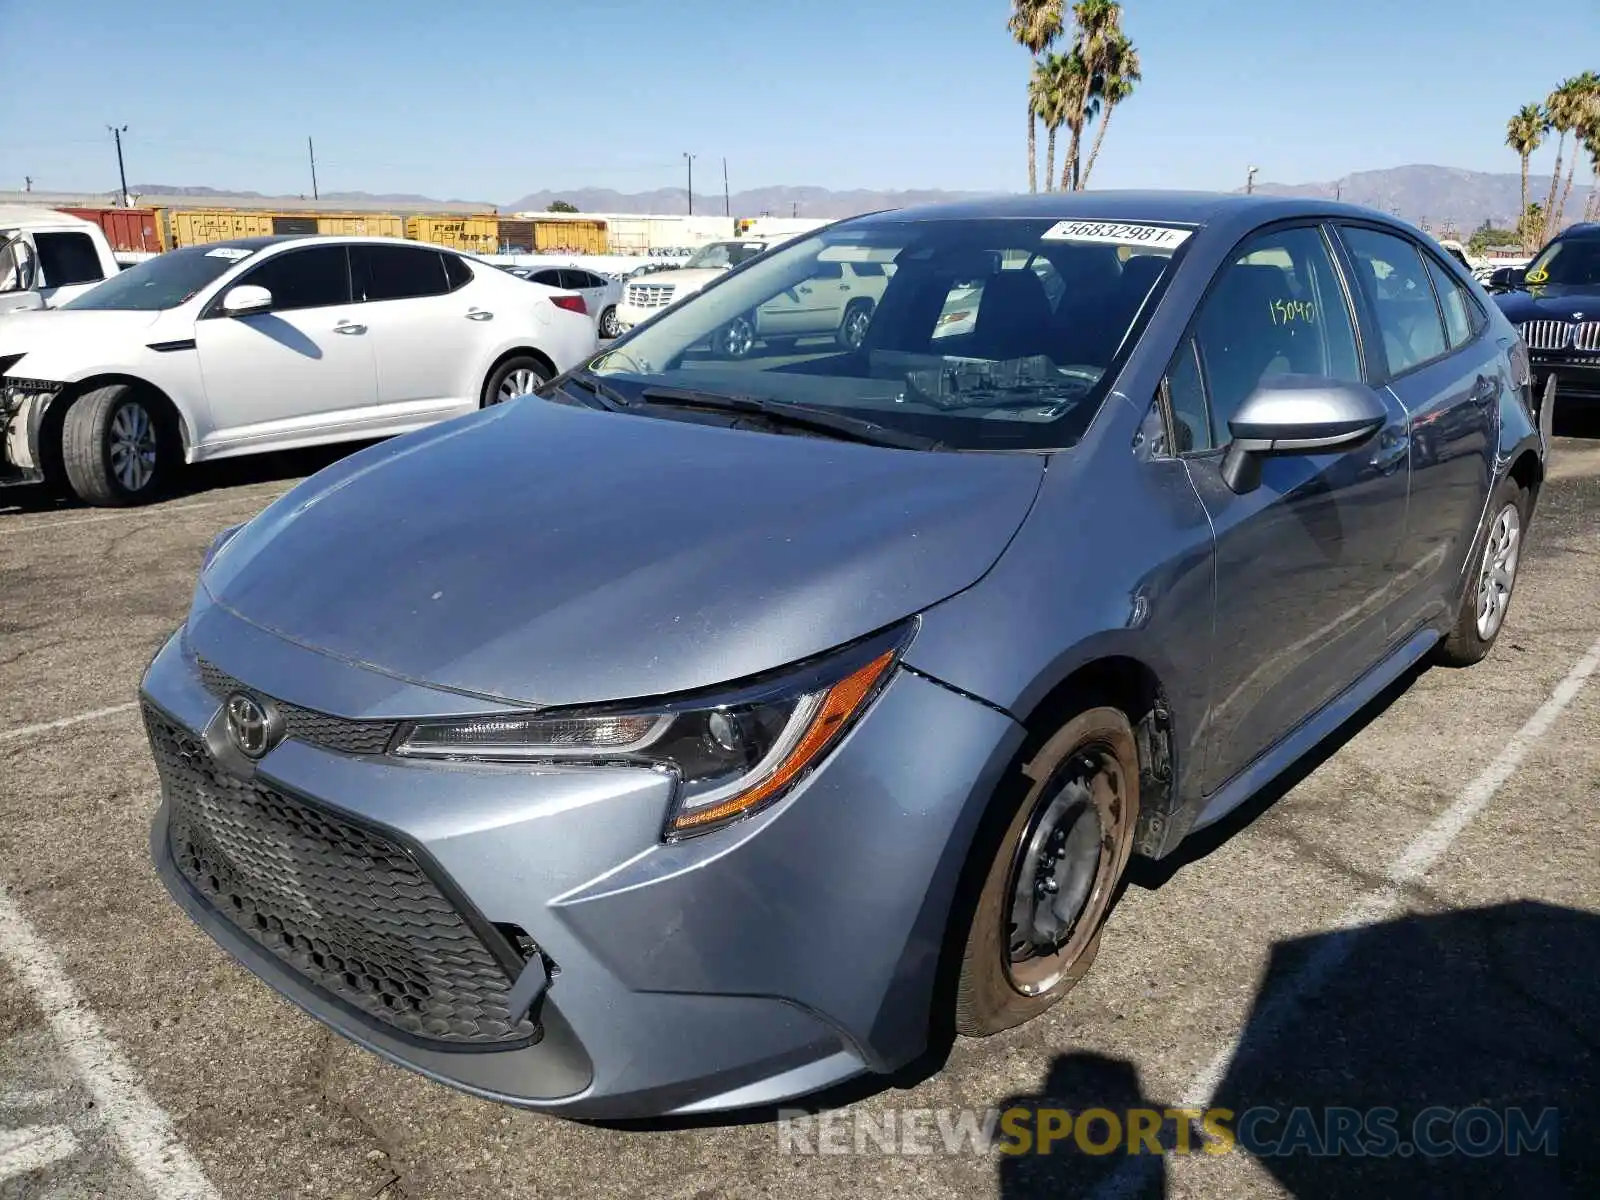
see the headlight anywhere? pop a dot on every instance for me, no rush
(733, 753)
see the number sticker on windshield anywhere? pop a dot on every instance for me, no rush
(229, 252)
(1160, 237)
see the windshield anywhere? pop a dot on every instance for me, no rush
(723, 254)
(1570, 262)
(165, 281)
(980, 334)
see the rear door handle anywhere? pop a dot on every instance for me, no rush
(349, 327)
(478, 314)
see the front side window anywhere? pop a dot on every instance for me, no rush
(550, 278)
(1567, 262)
(165, 281)
(1186, 397)
(68, 258)
(1276, 309)
(1000, 333)
(317, 277)
(1396, 283)
(381, 272)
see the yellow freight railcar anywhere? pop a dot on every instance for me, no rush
(587, 236)
(478, 235)
(198, 226)
(363, 224)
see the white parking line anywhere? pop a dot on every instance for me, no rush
(33, 1147)
(25, 731)
(1414, 862)
(142, 1130)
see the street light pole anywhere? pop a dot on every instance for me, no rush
(1250, 181)
(689, 158)
(727, 205)
(312, 150)
(122, 174)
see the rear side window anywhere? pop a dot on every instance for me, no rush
(1462, 319)
(67, 258)
(397, 272)
(316, 277)
(456, 271)
(1396, 283)
(1276, 309)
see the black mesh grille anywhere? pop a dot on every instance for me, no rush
(342, 735)
(350, 910)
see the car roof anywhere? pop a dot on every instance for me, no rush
(1178, 207)
(266, 240)
(20, 216)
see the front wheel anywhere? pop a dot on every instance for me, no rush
(519, 376)
(1036, 926)
(1488, 598)
(735, 339)
(117, 446)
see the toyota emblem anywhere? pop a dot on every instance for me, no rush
(252, 729)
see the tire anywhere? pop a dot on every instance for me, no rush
(853, 328)
(608, 323)
(118, 447)
(1082, 802)
(1495, 559)
(734, 340)
(515, 377)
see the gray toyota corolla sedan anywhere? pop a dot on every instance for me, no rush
(725, 723)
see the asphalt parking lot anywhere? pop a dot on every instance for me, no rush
(1413, 920)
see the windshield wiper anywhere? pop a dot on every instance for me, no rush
(608, 396)
(797, 416)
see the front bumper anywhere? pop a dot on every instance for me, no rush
(1577, 376)
(760, 962)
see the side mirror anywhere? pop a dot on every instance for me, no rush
(1516, 277)
(1505, 279)
(1297, 414)
(246, 298)
(19, 270)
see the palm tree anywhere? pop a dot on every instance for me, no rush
(1524, 134)
(1118, 75)
(1562, 108)
(1099, 24)
(1585, 100)
(1046, 103)
(1074, 85)
(1035, 24)
(1591, 210)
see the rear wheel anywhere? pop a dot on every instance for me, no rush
(735, 339)
(117, 446)
(1036, 926)
(608, 323)
(1484, 607)
(853, 329)
(518, 376)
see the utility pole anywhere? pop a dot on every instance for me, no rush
(1250, 180)
(727, 204)
(117, 132)
(312, 150)
(794, 208)
(27, 183)
(689, 158)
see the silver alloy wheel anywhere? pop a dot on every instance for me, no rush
(855, 325)
(520, 382)
(736, 338)
(132, 446)
(1499, 573)
(608, 324)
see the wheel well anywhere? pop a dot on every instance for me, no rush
(1528, 473)
(1132, 688)
(539, 356)
(56, 415)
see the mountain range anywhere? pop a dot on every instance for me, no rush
(1440, 197)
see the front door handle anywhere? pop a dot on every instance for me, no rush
(478, 314)
(349, 327)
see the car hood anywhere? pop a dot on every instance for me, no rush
(684, 279)
(1551, 304)
(550, 555)
(62, 329)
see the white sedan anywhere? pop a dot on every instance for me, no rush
(267, 344)
(600, 294)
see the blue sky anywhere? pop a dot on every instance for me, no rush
(487, 101)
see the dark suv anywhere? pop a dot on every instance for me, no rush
(1556, 308)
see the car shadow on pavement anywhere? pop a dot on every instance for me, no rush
(217, 475)
(1455, 1054)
